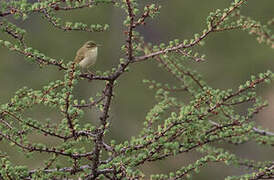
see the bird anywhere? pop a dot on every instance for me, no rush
(86, 56)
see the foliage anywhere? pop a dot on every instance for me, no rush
(171, 127)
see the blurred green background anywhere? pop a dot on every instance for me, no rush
(231, 58)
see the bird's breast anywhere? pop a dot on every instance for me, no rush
(90, 58)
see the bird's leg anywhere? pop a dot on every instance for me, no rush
(91, 72)
(83, 71)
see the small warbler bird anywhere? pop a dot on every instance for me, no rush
(86, 56)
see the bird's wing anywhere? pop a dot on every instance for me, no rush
(80, 55)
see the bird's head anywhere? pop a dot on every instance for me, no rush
(90, 44)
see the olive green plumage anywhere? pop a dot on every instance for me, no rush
(86, 56)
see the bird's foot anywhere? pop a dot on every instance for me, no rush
(91, 72)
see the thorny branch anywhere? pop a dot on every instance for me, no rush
(97, 135)
(108, 94)
(182, 46)
(54, 6)
(101, 130)
(67, 100)
(265, 173)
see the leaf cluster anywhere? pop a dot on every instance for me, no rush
(171, 127)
